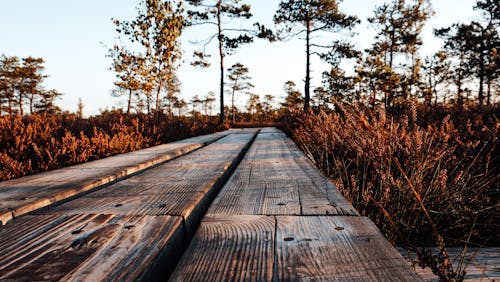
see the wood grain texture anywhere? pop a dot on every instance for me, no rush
(484, 264)
(92, 247)
(325, 198)
(275, 178)
(336, 248)
(229, 248)
(182, 187)
(270, 130)
(26, 194)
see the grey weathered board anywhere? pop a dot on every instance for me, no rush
(90, 238)
(183, 187)
(290, 248)
(276, 218)
(336, 248)
(90, 247)
(25, 194)
(230, 248)
(482, 264)
(275, 178)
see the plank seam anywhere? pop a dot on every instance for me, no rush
(208, 198)
(275, 255)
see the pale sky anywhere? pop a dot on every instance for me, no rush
(69, 35)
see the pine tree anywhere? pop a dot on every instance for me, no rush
(128, 72)
(475, 47)
(46, 103)
(79, 108)
(293, 99)
(218, 13)
(267, 107)
(436, 72)
(30, 88)
(311, 17)
(338, 85)
(238, 81)
(9, 82)
(254, 106)
(400, 24)
(180, 104)
(157, 29)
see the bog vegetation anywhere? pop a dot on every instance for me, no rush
(426, 177)
(40, 142)
(411, 140)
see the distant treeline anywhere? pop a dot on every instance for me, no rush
(391, 72)
(21, 87)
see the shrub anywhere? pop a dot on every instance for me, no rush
(425, 177)
(34, 143)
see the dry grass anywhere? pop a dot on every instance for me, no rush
(35, 143)
(424, 176)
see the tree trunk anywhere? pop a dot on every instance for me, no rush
(10, 106)
(308, 65)
(20, 102)
(435, 96)
(481, 79)
(232, 105)
(148, 102)
(157, 100)
(221, 54)
(129, 103)
(374, 98)
(157, 105)
(32, 98)
(488, 95)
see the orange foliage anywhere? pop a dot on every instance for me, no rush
(448, 155)
(30, 144)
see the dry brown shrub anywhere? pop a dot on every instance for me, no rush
(30, 144)
(424, 176)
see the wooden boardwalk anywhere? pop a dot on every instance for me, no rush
(236, 205)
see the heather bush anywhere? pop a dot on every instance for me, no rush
(34, 143)
(426, 177)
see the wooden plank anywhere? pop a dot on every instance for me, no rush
(484, 264)
(275, 178)
(336, 248)
(243, 130)
(270, 130)
(325, 198)
(182, 187)
(229, 248)
(92, 247)
(23, 195)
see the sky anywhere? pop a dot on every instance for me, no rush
(73, 37)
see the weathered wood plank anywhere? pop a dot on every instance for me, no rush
(243, 130)
(336, 248)
(484, 264)
(229, 248)
(270, 130)
(92, 247)
(182, 187)
(314, 201)
(275, 178)
(23, 195)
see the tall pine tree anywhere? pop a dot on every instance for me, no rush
(218, 13)
(310, 17)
